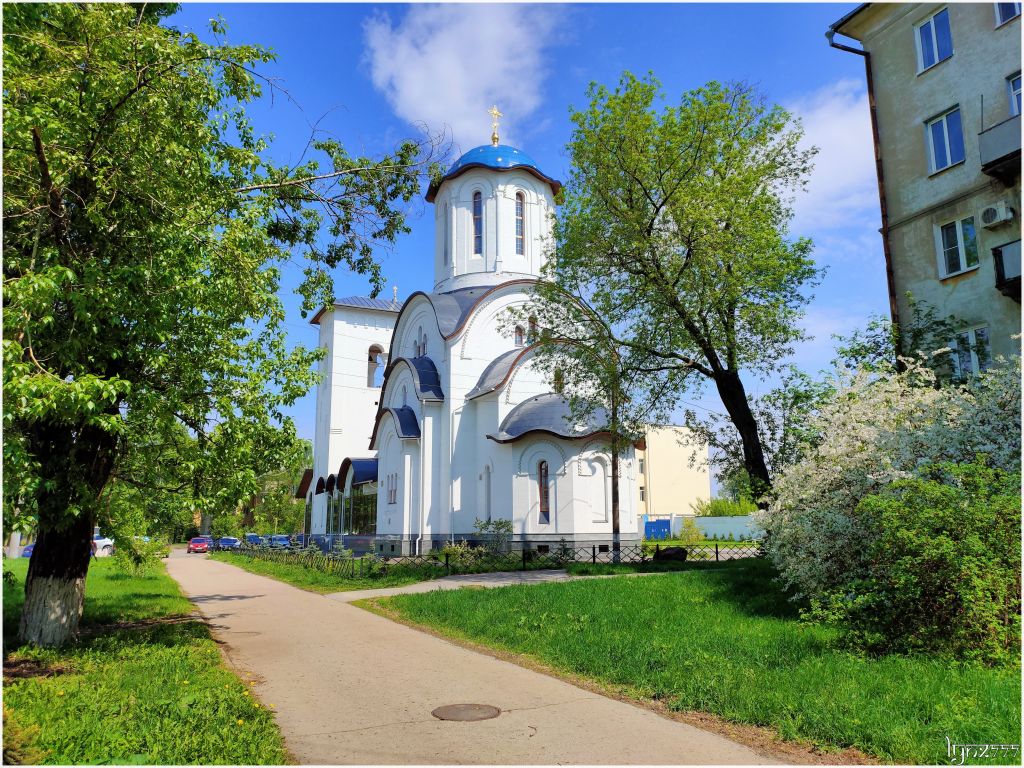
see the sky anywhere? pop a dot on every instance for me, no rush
(371, 75)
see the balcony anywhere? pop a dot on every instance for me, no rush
(1000, 150)
(1007, 258)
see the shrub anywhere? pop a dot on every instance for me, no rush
(878, 427)
(690, 533)
(723, 507)
(944, 567)
(137, 557)
(496, 534)
(461, 555)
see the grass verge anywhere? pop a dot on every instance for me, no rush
(143, 684)
(313, 580)
(723, 640)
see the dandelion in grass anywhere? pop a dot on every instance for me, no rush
(241, 721)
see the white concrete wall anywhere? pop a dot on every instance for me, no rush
(499, 261)
(345, 405)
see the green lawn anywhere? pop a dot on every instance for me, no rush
(722, 639)
(120, 694)
(298, 575)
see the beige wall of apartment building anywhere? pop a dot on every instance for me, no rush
(946, 85)
(668, 484)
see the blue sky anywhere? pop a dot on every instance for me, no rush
(369, 74)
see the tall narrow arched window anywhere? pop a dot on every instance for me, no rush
(375, 367)
(446, 231)
(559, 382)
(531, 337)
(520, 224)
(478, 223)
(520, 336)
(543, 493)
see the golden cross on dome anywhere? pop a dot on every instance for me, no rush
(495, 114)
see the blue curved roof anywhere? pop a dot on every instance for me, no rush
(549, 413)
(496, 372)
(363, 471)
(406, 423)
(425, 376)
(499, 158)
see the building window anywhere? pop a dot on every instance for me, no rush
(1005, 12)
(641, 466)
(544, 493)
(1014, 83)
(559, 381)
(958, 247)
(643, 493)
(531, 337)
(970, 352)
(520, 336)
(391, 484)
(934, 40)
(375, 367)
(478, 223)
(520, 225)
(945, 141)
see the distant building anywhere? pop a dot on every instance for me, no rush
(668, 484)
(944, 85)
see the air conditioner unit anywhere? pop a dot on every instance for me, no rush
(997, 214)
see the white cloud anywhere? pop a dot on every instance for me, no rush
(843, 188)
(445, 65)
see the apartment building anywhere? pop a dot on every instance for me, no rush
(944, 85)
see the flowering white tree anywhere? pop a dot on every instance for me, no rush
(877, 427)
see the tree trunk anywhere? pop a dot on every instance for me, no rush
(55, 586)
(734, 398)
(75, 464)
(616, 530)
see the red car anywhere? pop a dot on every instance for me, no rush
(199, 544)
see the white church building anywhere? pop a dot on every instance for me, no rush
(430, 414)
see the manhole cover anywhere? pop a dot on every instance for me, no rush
(466, 712)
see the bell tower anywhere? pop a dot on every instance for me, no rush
(493, 212)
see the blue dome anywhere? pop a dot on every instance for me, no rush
(501, 158)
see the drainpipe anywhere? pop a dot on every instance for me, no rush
(887, 251)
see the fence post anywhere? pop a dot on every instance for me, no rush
(657, 549)
(593, 553)
(447, 570)
(524, 558)
(716, 551)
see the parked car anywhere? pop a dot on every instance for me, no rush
(227, 544)
(104, 546)
(27, 551)
(253, 539)
(278, 541)
(199, 544)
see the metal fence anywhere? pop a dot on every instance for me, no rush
(463, 560)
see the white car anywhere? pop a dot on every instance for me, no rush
(104, 546)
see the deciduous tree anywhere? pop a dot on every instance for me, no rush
(674, 227)
(144, 233)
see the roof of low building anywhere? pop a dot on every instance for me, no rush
(364, 471)
(549, 413)
(497, 372)
(425, 376)
(361, 302)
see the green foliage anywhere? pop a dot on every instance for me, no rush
(118, 694)
(723, 507)
(725, 640)
(496, 534)
(19, 743)
(673, 235)
(144, 235)
(689, 533)
(137, 557)
(945, 565)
